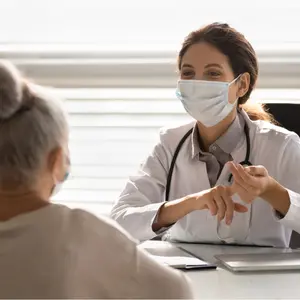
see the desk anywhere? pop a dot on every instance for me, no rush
(222, 284)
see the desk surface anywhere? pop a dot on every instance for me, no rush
(222, 284)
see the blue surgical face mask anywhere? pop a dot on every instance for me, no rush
(58, 185)
(206, 101)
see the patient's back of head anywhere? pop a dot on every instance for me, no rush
(48, 250)
(33, 159)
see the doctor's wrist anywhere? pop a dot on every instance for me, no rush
(191, 202)
(272, 187)
(197, 201)
(277, 196)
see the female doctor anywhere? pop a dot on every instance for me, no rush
(229, 177)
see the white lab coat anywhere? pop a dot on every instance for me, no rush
(271, 146)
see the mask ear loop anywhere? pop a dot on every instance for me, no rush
(67, 172)
(232, 82)
(55, 183)
(236, 79)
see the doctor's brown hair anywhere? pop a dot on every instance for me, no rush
(241, 56)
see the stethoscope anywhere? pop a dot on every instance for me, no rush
(245, 162)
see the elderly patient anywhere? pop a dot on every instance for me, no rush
(48, 250)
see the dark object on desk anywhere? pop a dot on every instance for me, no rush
(206, 266)
(287, 115)
(176, 257)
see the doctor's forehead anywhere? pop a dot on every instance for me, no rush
(203, 54)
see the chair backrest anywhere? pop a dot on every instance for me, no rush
(287, 114)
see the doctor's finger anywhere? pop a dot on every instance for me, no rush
(229, 206)
(249, 180)
(235, 173)
(244, 179)
(256, 170)
(212, 206)
(240, 208)
(220, 204)
(244, 194)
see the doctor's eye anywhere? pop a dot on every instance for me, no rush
(187, 74)
(213, 74)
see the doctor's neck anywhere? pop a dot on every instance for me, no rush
(209, 135)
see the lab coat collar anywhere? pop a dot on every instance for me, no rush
(196, 150)
(239, 153)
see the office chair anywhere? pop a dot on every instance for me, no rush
(287, 115)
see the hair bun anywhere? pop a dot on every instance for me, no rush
(11, 89)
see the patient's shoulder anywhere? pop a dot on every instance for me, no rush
(102, 228)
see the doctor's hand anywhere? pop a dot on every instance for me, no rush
(218, 200)
(249, 182)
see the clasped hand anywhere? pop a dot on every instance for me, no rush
(248, 182)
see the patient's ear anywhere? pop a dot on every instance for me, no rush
(56, 164)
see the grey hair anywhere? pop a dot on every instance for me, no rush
(32, 124)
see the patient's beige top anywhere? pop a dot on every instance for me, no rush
(57, 252)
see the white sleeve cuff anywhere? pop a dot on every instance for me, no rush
(292, 218)
(162, 229)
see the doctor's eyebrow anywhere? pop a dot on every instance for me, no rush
(187, 66)
(213, 65)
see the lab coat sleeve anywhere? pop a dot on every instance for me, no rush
(289, 170)
(118, 267)
(138, 204)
